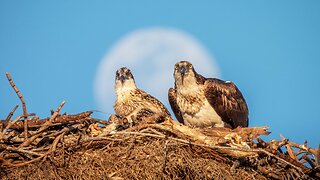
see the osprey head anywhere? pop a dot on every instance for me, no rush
(124, 80)
(184, 73)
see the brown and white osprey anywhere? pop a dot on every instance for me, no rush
(134, 104)
(206, 102)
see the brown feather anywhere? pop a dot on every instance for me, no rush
(138, 99)
(200, 79)
(227, 101)
(172, 96)
(156, 102)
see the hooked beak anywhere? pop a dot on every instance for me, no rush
(122, 78)
(182, 71)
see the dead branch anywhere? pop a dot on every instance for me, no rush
(50, 121)
(60, 119)
(23, 151)
(55, 142)
(9, 164)
(43, 127)
(11, 123)
(6, 121)
(305, 157)
(40, 156)
(304, 148)
(24, 107)
(290, 152)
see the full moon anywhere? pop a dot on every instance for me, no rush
(150, 53)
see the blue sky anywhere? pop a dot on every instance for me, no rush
(270, 49)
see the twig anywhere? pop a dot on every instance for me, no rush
(98, 121)
(14, 121)
(65, 118)
(24, 107)
(28, 141)
(67, 130)
(303, 147)
(313, 162)
(52, 149)
(23, 151)
(49, 122)
(305, 157)
(141, 134)
(89, 139)
(43, 127)
(55, 142)
(10, 115)
(24, 163)
(290, 152)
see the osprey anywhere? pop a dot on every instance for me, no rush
(134, 104)
(206, 102)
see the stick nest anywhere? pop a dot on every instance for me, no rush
(81, 147)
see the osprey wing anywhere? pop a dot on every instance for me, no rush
(227, 101)
(172, 96)
(152, 101)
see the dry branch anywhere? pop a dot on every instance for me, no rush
(46, 125)
(11, 123)
(6, 121)
(60, 119)
(24, 107)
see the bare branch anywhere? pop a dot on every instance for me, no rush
(43, 127)
(24, 107)
(6, 121)
(14, 121)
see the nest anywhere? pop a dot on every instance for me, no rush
(79, 146)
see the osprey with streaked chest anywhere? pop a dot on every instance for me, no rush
(206, 102)
(133, 103)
